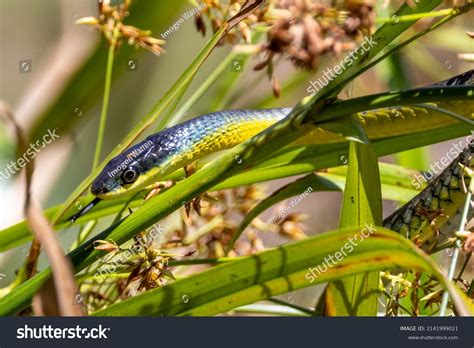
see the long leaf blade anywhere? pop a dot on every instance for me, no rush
(361, 205)
(258, 277)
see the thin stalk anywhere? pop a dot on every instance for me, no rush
(211, 79)
(463, 268)
(293, 306)
(277, 310)
(447, 112)
(215, 261)
(164, 121)
(415, 16)
(454, 260)
(105, 103)
(83, 234)
(454, 13)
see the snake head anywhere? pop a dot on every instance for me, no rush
(130, 171)
(121, 172)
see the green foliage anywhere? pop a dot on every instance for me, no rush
(277, 152)
(361, 206)
(277, 271)
(81, 89)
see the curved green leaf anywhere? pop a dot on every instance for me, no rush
(254, 151)
(361, 205)
(396, 186)
(314, 182)
(174, 92)
(273, 272)
(20, 233)
(85, 86)
(293, 160)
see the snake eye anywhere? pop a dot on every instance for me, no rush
(130, 175)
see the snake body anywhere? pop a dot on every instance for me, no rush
(422, 219)
(173, 148)
(163, 152)
(431, 215)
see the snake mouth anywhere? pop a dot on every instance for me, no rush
(112, 194)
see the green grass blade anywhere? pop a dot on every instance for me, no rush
(84, 87)
(150, 118)
(361, 206)
(381, 39)
(19, 233)
(314, 182)
(277, 271)
(289, 161)
(396, 185)
(106, 97)
(393, 70)
(384, 35)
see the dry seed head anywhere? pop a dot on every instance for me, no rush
(104, 245)
(299, 30)
(112, 17)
